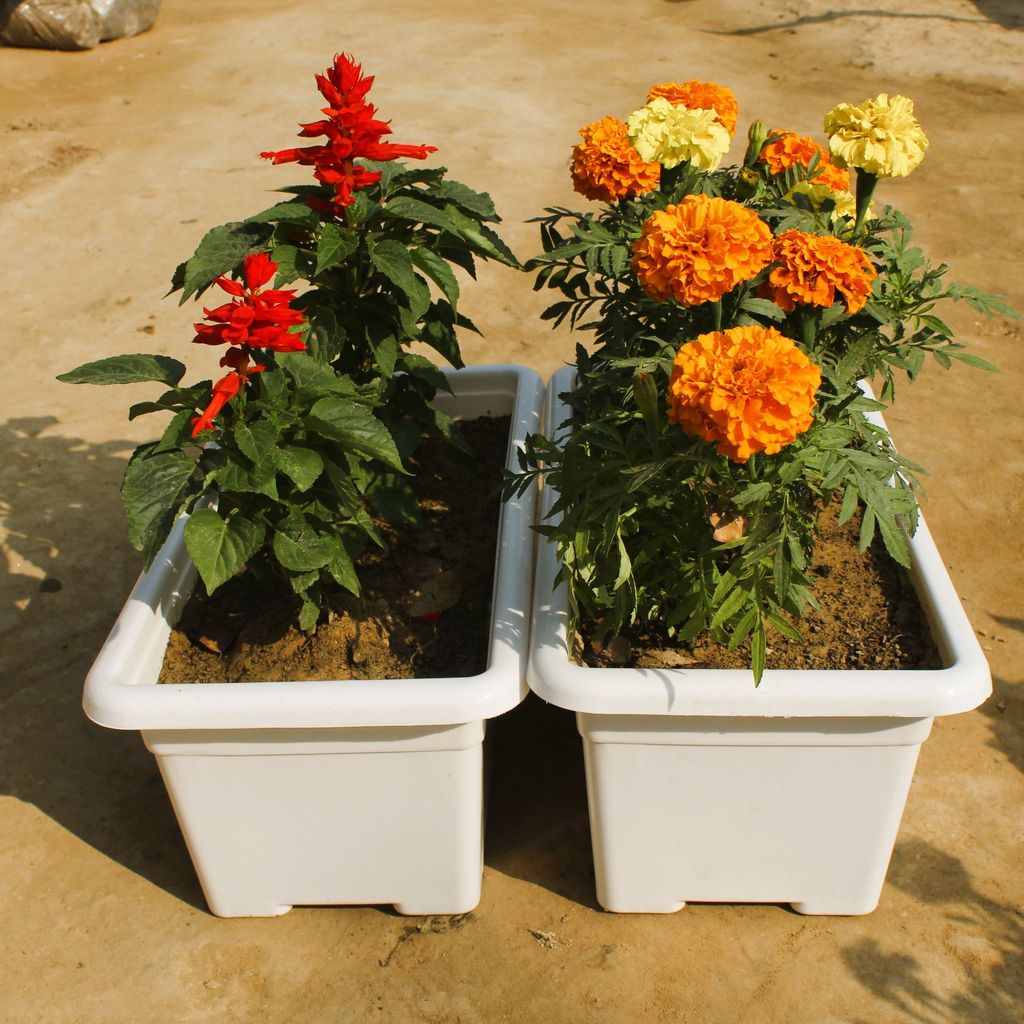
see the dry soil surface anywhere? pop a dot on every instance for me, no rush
(114, 162)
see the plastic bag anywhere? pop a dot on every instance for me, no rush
(73, 24)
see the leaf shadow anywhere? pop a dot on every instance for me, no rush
(66, 574)
(986, 994)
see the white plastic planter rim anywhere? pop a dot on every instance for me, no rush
(962, 685)
(121, 690)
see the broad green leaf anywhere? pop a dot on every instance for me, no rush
(219, 547)
(334, 247)
(356, 427)
(309, 613)
(154, 488)
(481, 239)
(127, 369)
(463, 196)
(292, 263)
(303, 466)
(256, 440)
(315, 378)
(439, 271)
(299, 547)
(393, 499)
(419, 212)
(261, 479)
(392, 259)
(221, 249)
(384, 345)
(340, 566)
(288, 213)
(420, 366)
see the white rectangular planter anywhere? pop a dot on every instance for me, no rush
(704, 788)
(339, 792)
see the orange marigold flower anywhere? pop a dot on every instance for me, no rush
(699, 249)
(696, 95)
(746, 389)
(605, 166)
(792, 150)
(814, 267)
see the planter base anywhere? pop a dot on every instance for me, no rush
(373, 800)
(746, 810)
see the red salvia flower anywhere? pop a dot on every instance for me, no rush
(255, 318)
(352, 131)
(227, 387)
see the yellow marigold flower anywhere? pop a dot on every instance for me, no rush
(699, 249)
(700, 96)
(814, 267)
(881, 136)
(792, 150)
(606, 167)
(844, 204)
(676, 135)
(746, 389)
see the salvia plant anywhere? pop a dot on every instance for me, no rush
(288, 462)
(732, 311)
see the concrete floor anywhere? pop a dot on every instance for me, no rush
(113, 164)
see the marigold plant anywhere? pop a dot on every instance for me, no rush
(700, 96)
(786, 149)
(671, 136)
(746, 390)
(290, 462)
(812, 268)
(733, 311)
(606, 166)
(699, 249)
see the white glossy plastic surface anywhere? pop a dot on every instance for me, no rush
(334, 792)
(120, 690)
(963, 684)
(704, 788)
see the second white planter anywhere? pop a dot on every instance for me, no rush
(703, 788)
(337, 792)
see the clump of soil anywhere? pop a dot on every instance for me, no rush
(870, 618)
(426, 602)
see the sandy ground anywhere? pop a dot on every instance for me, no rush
(113, 164)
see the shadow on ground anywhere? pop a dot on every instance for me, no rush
(982, 931)
(537, 823)
(1001, 13)
(68, 572)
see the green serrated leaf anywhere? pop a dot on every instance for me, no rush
(299, 547)
(480, 239)
(127, 369)
(479, 203)
(288, 213)
(392, 259)
(356, 427)
(439, 271)
(154, 488)
(419, 212)
(256, 440)
(219, 547)
(341, 567)
(334, 247)
(302, 466)
(221, 249)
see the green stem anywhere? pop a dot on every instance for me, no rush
(716, 309)
(808, 329)
(865, 190)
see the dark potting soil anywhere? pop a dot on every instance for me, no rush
(426, 602)
(870, 618)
